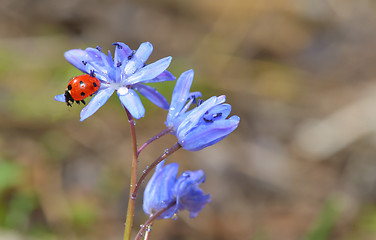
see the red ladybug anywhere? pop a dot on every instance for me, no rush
(81, 87)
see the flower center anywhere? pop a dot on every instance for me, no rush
(209, 118)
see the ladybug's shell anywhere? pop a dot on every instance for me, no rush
(83, 86)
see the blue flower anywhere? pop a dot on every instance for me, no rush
(203, 125)
(165, 189)
(124, 73)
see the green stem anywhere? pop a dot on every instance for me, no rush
(131, 201)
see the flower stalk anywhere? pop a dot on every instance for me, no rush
(167, 153)
(152, 139)
(131, 201)
(148, 222)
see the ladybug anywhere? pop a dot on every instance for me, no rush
(81, 87)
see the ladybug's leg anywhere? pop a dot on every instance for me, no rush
(92, 74)
(78, 102)
(83, 101)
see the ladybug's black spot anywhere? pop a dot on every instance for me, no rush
(69, 87)
(94, 84)
(82, 94)
(81, 82)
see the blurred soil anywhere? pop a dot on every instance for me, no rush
(300, 74)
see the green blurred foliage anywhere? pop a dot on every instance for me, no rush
(10, 175)
(325, 222)
(83, 215)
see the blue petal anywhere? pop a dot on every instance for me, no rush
(192, 98)
(194, 202)
(97, 56)
(89, 60)
(100, 63)
(76, 58)
(131, 101)
(195, 115)
(164, 76)
(187, 180)
(194, 95)
(149, 71)
(159, 191)
(60, 98)
(153, 95)
(189, 195)
(122, 52)
(139, 58)
(208, 134)
(180, 94)
(96, 102)
(216, 113)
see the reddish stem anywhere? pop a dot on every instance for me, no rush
(167, 153)
(151, 219)
(152, 139)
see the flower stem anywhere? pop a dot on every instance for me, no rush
(147, 231)
(167, 153)
(132, 201)
(152, 139)
(151, 219)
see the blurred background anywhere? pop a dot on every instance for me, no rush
(299, 73)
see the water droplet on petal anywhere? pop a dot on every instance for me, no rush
(123, 91)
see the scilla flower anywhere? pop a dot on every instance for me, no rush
(205, 124)
(166, 190)
(124, 73)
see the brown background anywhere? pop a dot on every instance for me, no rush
(300, 74)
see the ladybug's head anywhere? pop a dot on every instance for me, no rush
(68, 98)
